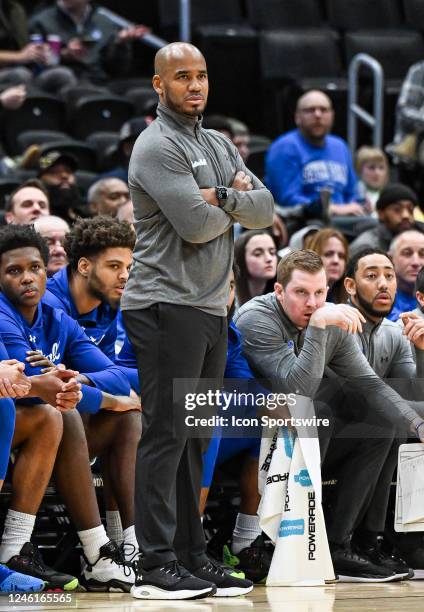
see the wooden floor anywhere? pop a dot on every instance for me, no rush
(404, 596)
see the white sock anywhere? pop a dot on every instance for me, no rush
(92, 540)
(114, 526)
(18, 528)
(245, 532)
(129, 538)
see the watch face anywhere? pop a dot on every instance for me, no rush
(221, 193)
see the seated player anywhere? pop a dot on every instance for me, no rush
(27, 324)
(89, 289)
(13, 383)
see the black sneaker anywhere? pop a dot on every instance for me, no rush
(110, 573)
(169, 581)
(393, 562)
(226, 584)
(29, 562)
(352, 567)
(254, 560)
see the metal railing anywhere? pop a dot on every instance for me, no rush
(185, 20)
(355, 112)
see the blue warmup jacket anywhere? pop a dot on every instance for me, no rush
(296, 170)
(99, 324)
(62, 340)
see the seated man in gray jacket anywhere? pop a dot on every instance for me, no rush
(293, 338)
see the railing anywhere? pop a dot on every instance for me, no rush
(356, 112)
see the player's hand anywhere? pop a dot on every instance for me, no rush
(36, 359)
(242, 182)
(413, 328)
(14, 383)
(124, 404)
(341, 315)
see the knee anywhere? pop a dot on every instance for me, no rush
(73, 425)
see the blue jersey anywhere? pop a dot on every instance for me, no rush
(62, 340)
(296, 170)
(7, 424)
(99, 324)
(404, 302)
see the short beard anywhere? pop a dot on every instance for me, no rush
(368, 308)
(96, 291)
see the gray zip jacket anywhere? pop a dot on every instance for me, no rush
(296, 359)
(184, 249)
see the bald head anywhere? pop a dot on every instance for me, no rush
(407, 251)
(181, 79)
(314, 116)
(175, 52)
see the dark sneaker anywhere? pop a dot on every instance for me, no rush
(226, 584)
(231, 571)
(170, 581)
(14, 582)
(110, 573)
(254, 561)
(352, 567)
(393, 562)
(29, 562)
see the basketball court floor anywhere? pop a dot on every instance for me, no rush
(399, 597)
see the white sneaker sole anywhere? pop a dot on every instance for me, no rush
(394, 578)
(232, 591)
(151, 592)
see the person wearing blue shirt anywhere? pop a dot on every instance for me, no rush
(89, 289)
(28, 324)
(306, 161)
(407, 252)
(13, 383)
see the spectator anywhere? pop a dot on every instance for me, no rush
(106, 196)
(409, 116)
(27, 203)
(395, 209)
(54, 230)
(255, 256)
(291, 337)
(128, 134)
(93, 46)
(419, 293)
(333, 249)
(57, 170)
(19, 56)
(306, 161)
(372, 168)
(407, 252)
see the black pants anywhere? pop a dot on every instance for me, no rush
(171, 342)
(361, 454)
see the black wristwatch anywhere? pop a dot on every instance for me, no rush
(221, 194)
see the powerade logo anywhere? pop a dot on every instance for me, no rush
(293, 527)
(303, 478)
(277, 478)
(312, 547)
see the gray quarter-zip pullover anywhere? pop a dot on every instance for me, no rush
(184, 249)
(296, 359)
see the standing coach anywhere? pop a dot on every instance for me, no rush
(188, 186)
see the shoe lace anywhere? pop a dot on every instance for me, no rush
(174, 569)
(116, 556)
(129, 550)
(214, 568)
